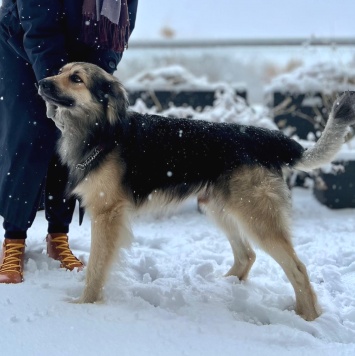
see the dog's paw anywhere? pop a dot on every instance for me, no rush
(88, 298)
(82, 300)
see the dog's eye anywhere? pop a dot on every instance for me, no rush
(75, 78)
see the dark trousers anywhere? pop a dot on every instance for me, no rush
(58, 208)
(29, 168)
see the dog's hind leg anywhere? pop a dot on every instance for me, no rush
(244, 255)
(280, 248)
(262, 205)
(109, 232)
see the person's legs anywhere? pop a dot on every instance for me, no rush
(27, 143)
(59, 210)
(13, 232)
(59, 207)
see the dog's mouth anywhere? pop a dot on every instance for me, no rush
(50, 94)
(55, 100)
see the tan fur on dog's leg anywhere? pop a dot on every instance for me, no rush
(108, 235)
(283, 253)
(244, 255)
(261, 203)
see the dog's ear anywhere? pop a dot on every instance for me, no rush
(117, 101)
(114, 98)
(51, 110)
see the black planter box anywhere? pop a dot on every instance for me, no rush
(163, 99)
(304, 113)
(301, 113)
(336, 190)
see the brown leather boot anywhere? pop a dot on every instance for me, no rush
(12, 261)
(58, 249)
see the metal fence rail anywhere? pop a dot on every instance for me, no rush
(150, 44)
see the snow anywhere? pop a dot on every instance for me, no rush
(173, 77)
(227, 106)
(253, 66)
(168, 295)
(324, 77)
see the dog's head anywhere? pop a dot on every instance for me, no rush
(85, 91)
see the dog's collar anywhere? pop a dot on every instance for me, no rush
(95, 153)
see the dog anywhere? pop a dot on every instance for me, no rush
(121, 161)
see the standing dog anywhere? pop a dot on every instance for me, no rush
(121, 161)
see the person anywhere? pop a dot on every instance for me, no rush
(37, 38)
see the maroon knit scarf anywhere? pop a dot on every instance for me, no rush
(105, 24)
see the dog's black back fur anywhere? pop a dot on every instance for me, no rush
(181, 155)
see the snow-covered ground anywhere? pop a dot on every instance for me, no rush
(168, 297)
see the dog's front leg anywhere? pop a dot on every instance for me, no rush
(109, 232)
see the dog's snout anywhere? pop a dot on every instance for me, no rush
(45, 84)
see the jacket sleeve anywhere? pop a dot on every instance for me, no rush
(44, 35)
(132, 13)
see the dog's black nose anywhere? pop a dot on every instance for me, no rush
(44, 84)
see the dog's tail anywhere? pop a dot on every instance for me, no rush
(341, 116)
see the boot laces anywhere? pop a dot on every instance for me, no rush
(12, 261)
(66, 255)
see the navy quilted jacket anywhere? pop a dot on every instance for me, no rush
(60, 20)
